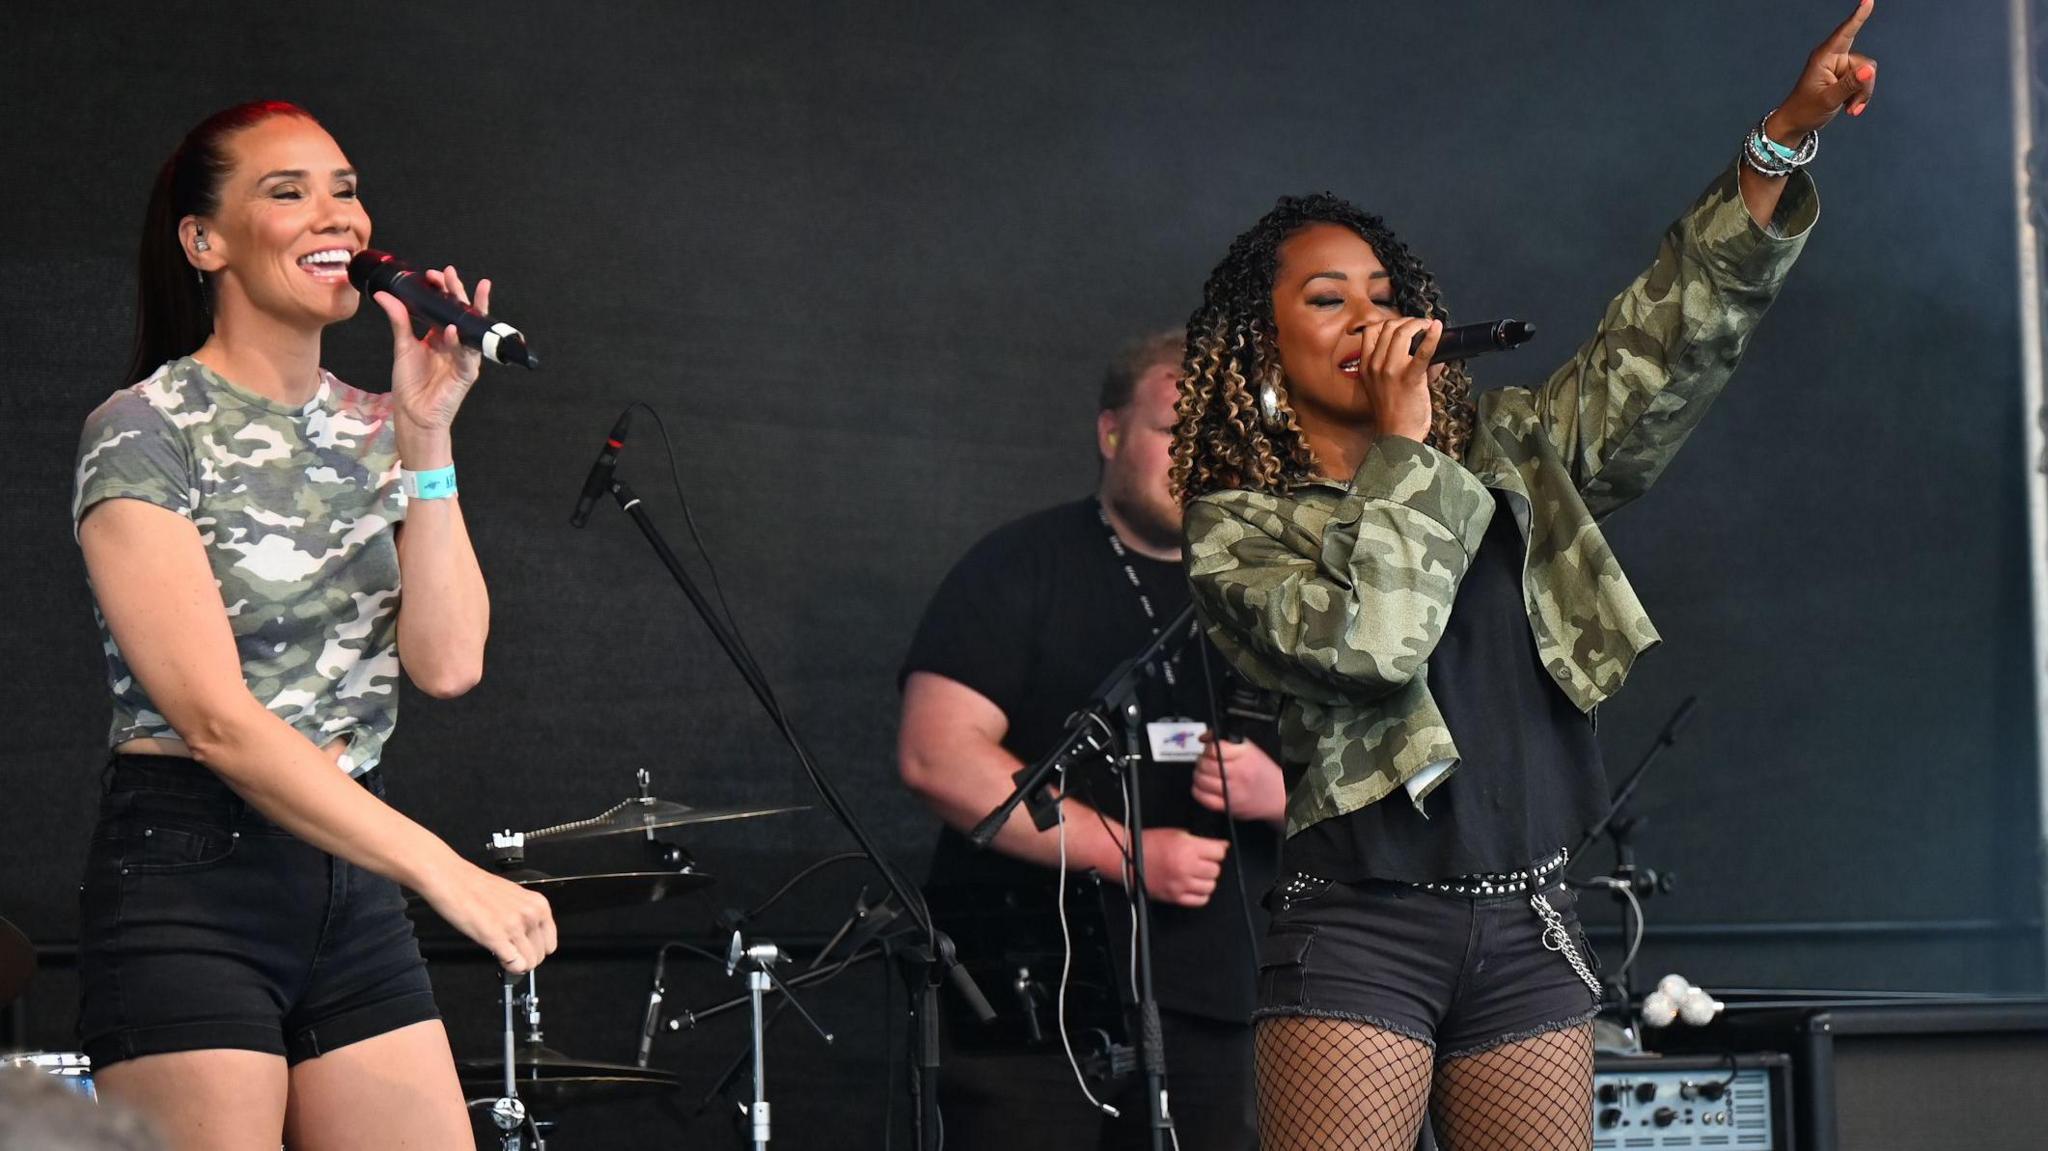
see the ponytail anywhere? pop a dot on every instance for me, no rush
(173, 314)
(171, 311)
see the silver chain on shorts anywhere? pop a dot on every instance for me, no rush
(1558, 938)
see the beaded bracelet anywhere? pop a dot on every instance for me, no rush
(1769, 158)
(1784, 154)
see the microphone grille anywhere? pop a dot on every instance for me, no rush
(371, 269)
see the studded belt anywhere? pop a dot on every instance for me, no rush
(1502, 882)
(1301, 885)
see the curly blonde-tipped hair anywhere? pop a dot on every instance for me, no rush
(1220, 438)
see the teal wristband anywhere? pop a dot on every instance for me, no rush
(438, 484)
(1788, 155)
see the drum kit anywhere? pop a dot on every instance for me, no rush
(524, 1072)
(17, 965)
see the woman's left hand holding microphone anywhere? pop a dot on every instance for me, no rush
(430, 375)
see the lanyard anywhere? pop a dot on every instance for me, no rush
(1123, 555)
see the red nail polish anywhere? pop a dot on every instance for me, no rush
(1858, 109)
(1867, 73)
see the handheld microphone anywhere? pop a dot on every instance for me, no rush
(1464, 341)
(501, 343)
(600, 477)
(653, 1017)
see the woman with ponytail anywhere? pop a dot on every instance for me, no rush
(268, 548)
(1421, 574)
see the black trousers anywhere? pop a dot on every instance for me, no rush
(1029, 1101)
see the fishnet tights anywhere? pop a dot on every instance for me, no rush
(1535, 1095)
(1336, 1085)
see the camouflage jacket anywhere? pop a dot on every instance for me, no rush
(297, 509)
(1335, 594)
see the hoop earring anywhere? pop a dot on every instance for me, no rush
(1269, 405)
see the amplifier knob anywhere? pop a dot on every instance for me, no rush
(1610, 1117)
(1664, 1117)
(1609, 1093)
(1645, 1092)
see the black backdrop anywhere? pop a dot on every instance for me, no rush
(867, 260)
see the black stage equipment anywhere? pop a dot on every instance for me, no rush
(927, 964)
(1629, 882)
(1092, 731)
(600, 477)
(1688, 1102)
(1884, 1072)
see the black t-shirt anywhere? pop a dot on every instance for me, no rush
(1034, 617)
(1529, 778)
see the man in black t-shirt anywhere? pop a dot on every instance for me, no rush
(1023, 629)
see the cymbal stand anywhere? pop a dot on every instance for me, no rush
(942, 965)
(672, 855)
(508, 1113)
(530, 1001)
(760, 959)
(863, 934)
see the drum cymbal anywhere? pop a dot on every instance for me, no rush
(648, 814)
(548, 1079)
(570, 894)
(17, 962)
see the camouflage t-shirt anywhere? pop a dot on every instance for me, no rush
(297, 508)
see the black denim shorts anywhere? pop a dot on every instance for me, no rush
(204, 925)
(1463, 974)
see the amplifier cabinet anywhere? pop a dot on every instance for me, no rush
(1909, 1077)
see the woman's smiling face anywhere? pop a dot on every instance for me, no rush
(289, 219)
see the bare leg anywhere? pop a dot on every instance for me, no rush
(1534, 1095)
(214, 1100)
(1336, 1085)
(392, 1092)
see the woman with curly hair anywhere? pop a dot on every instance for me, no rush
(1421, 575)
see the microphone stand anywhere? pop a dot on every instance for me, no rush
(1115, 697)
(927, 964)
(1083, 728)
(1152, 1045)
(1643, 882)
